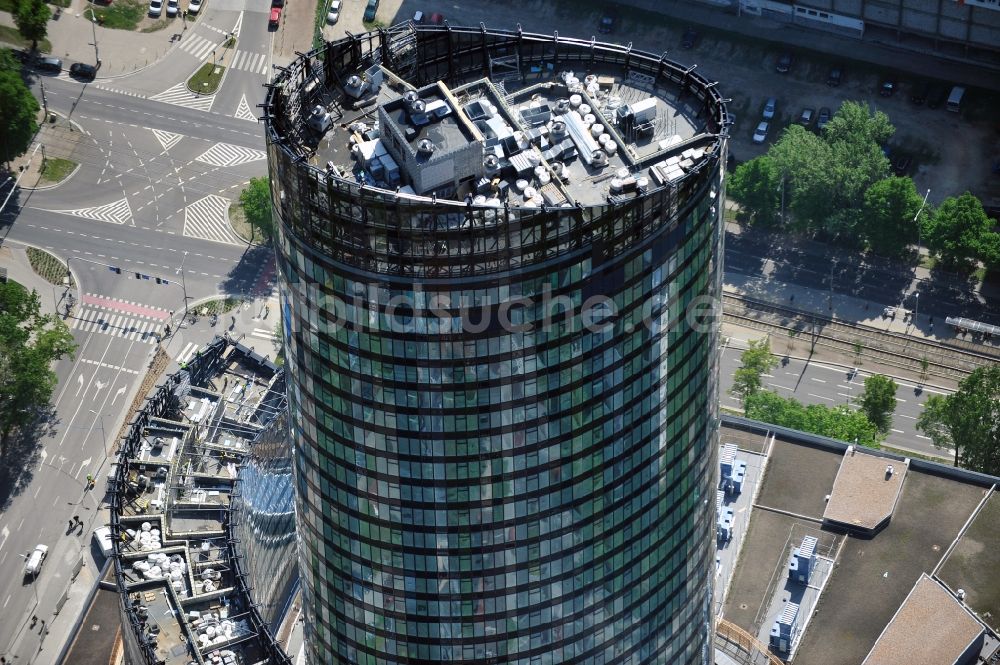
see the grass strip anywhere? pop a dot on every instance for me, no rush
(56, 169)
(207, 79)
(47, 266)
(119, 15)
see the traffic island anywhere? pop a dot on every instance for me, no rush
(207, 79)
(55, 169)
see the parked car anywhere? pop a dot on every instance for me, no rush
(835, 76)
(83, 71)
(333, 13)
(437, 18)
(33, 562)
(806, 117)
(920, 91)
(823, 117)
(418, 17)
(53, 65)
(784, 63)
(607, 24)
(194, 6)
(172, 8)
(769, 108)
(102, 538)
(887, 88)
(690, 39)
(275, 18)
(370, 10)
(155, 7)
(760, 134)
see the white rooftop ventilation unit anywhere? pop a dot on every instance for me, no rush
(557, 132)
(562, 106)
(426, 147)
(491, 165)
(599, 159)
(319, 119)
(410, 96)
(354, 81)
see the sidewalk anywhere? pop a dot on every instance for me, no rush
(14, 258)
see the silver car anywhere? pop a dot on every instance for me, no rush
(769, 108)
(760, 135)
(34, 560)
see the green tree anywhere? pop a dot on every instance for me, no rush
(18, 108)
(256, 202)
(838, 422)
(968, 420)
(807, 161)
(32, 20)
(756, 186)
(889, 216)
(878, 401)
(854, 122)
(960, 234)
(755, 362)
(29, 343)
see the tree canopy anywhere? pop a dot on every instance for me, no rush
(757, 186)
(959, 233)
(838, 422)
(32, 20)
(18, 108)
(256, 202)
(29, 343)
(878, 401)
(968, 420)
(889, 215)
(755, 362)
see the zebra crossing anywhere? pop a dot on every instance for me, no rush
(117, 212)
(250, 62)
(92, 319)
(225, 154)
(187, 353)
(198, 46)
(208, 219)
(179, 95)
(244, 112)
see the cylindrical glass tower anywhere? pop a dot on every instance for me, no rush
(504, 400)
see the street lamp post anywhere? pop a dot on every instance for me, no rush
(920, 230)
(104, 434)
(184, 286)
(93, 28)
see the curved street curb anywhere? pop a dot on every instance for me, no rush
(79, 165)
(76, 279)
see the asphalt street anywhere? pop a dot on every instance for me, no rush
(158, 171)
(829, 385)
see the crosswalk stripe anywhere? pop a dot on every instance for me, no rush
(188, 351)
(208, 218)
(243, 111)
(116, 212)
(135, 328)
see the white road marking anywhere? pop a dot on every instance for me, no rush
(897, 431)
(813, 378)
(903, 415)
(828, 399)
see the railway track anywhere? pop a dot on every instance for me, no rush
(953, 359)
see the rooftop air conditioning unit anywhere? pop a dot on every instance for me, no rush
(418, 106)
(319, 119)
(598, 159)
(562, 106)
(354, 81)
(557, 131)
(491, 164)
(410, 96)
(426, 146)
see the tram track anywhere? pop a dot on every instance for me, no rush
(950, 359)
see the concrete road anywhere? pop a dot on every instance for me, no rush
(828, 384)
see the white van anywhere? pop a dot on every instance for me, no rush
(33, 562)
(955, 99)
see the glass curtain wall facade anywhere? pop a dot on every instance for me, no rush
(263, 514)
(486, 470)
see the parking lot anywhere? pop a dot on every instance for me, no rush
(950, 153)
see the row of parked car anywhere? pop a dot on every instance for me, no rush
(806, 118)
(156, 8)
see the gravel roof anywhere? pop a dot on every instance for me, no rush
(864, 494)
(930, 628)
